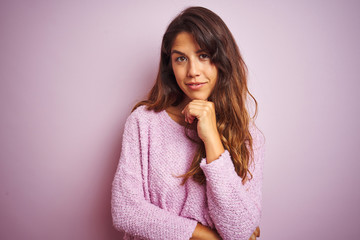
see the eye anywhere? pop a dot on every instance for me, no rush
(204, 56)
(180, 59)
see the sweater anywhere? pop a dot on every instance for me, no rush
(148, 200)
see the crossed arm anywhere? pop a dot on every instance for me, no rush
(204, 233)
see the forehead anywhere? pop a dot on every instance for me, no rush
(185, 41)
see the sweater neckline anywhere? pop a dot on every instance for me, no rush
(168, 119)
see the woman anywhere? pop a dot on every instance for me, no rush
(191, 161)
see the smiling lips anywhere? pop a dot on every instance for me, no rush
(195, 86)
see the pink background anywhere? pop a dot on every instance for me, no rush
(70, 72)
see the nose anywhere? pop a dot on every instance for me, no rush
(193, 69)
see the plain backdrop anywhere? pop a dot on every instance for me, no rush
(70, 72)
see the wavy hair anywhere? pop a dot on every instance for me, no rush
(230, 94)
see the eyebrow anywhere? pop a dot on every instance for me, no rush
(181, 53)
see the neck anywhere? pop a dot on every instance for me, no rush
(175, 111)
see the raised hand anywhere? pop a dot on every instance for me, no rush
(204, 112)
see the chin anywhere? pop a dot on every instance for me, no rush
(198, 97)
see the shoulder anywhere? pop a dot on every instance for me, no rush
(142, 116)
(141, 112)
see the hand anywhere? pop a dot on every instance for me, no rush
(204, 112)
(255, 234)
(202, 232)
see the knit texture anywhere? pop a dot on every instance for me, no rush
(148, 201)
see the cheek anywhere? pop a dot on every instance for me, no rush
(213, 73)
(177, 77)
(179, 73)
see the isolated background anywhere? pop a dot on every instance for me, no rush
(70, 72)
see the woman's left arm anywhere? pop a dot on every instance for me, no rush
(235, 208)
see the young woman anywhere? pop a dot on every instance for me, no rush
(192, 159)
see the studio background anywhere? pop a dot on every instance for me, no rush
(70, 72)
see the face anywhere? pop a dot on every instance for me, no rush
(195, 74)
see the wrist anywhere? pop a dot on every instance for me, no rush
(213, 148)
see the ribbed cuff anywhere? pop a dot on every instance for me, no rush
(223, 166)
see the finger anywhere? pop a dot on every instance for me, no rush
(200, 104)
(252, 237)
(189, 118)
(190, 113)
(198, 109)
(185, 113)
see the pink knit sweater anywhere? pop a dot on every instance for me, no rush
(148, 201)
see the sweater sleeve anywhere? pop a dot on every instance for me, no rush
(131, 212)
(235, 208)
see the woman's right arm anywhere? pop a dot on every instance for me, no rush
(131, 212)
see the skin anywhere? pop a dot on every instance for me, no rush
(192, 65)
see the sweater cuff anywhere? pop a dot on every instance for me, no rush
(223, 166)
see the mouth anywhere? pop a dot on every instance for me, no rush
(195, 86)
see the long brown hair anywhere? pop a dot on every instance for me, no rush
(230, 94)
